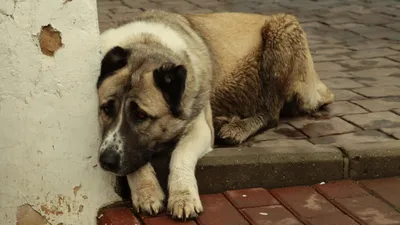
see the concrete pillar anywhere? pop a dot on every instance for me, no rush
(49, 63)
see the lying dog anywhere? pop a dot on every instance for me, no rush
(186, 79)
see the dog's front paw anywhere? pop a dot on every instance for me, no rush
(148, 198)
(232, 133)
(184, 204)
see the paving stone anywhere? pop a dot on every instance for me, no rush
(377, 91)
(339, 108)
(375, 72)
(373, 53)
(247, 167)
(369, 210)
(335, 219)
(395, 132)
(349, 26)
(395, 26)
(318, 128)
(327, 66)
(345, 95)
(165, 220)
(367, 63)
(371, 44)
(386, 188)
(328, 58)
(341, 83)
(282, 131)
(218, 210)
(270, 144)
(117, 216)
(276, 214)
(336, 74)
(339, 20)
(373, 159)
(252, 197)
(378, 81)
(395, 57)
(331, 51)
(375, 120)
(341, 189)
(395, 46)
(379, 104)
(368, 136)
(305, 202)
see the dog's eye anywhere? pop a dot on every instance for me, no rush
(141, 115)
(108, 108)
(138, 113)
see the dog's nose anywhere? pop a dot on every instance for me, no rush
(109, 160)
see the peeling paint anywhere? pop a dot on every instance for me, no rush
(50, 40)
(76, 189)
(26, 215)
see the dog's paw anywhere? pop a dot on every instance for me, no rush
(148, 198)
(184, 205)
(232, 133)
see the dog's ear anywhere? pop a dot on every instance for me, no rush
(171, 80)
(115, 59)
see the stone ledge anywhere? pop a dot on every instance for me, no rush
(373, 160)
(236, 168)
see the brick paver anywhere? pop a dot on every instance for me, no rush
(344, 202)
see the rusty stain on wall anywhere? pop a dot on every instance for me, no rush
(51, 210)
(26, 215)
(76, 189)
(50, 40)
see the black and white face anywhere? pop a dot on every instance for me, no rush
(139, 109)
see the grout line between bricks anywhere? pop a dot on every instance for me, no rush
(283, 203)
(346, 162)
(376, 195)
(352, 123)
(390, 135)
(342, 209)
(238, 210)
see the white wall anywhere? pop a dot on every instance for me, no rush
(48, 113)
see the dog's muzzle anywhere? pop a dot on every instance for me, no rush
(110, 160)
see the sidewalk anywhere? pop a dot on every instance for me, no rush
(346, 202)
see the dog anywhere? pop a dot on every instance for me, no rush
(190, 79)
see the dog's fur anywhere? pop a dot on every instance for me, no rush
(169, 77)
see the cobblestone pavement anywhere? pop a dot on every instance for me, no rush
(356, 49)
(346, 202)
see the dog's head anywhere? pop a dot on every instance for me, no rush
(140, 106)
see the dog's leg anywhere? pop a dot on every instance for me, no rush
(239, 130)
(184, 200)
(288, 55)
(147, 194)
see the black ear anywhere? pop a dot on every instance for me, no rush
(171, 79)
(115, 59)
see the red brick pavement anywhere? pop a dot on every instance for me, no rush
(346, 202)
